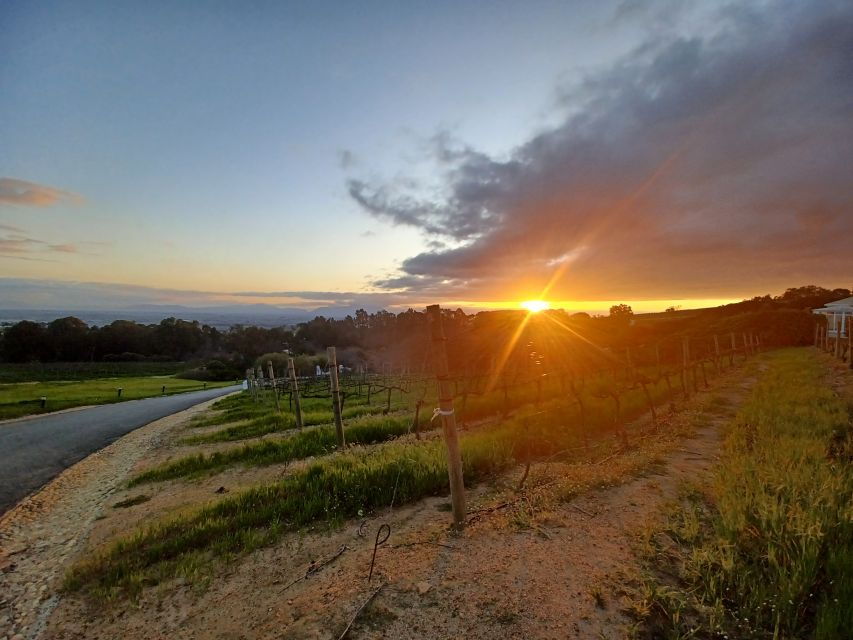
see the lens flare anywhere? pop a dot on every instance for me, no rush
(534, 306)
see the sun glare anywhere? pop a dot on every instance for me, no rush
(534, 306)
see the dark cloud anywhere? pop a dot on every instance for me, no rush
(21, 192)
(696, 166)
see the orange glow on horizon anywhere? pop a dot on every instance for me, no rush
(535, 306)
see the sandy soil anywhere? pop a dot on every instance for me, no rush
(527, 566)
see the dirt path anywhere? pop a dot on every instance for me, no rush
(556, 570)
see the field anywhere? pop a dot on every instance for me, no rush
(23, 398)
(510, 424)
(724, 513)
(52, 371)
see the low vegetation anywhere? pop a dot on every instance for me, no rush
(23, 399)
(765, 550)
(308, 443)
(356, 481)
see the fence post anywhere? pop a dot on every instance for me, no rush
(816, 334)
(734, 348)
(294, 392)
(272, 381)
(336, 395)
(717, 362)
(685, 361)
(837, 340)
(448, 419)
(745, 348)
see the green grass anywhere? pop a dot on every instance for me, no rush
(22, 399)
(274, 422)
(768, 552)
(308, 443)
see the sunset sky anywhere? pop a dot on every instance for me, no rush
(396, 154)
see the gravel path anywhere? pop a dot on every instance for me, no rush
(44, 531)
(34, 450)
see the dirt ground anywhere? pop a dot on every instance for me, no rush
(524, 567)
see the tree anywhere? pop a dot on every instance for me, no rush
(621, 313)
(24, 342)
(69, 339)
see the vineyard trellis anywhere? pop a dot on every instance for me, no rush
(837, 345)
(662, 370)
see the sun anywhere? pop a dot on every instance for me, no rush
(535, 306)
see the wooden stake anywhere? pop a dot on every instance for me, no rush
(717, 352)
(272, 381)
(294, 392)
(448, 418)
(685, 361)
(734, 348)
(336, 395)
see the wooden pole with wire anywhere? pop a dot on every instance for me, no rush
(448, 418)
(336, 395)
(271, 371)
(294, 392)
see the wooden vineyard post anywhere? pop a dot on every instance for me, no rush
(850, 343)
(448, 419)
(816, 334)
(717, 353)
(685, 361)
(745, 349)
(294, 392)
(336, 395)
(837, 339)
(734, 348)
(272, 382)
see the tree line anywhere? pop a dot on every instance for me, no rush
(373, 340)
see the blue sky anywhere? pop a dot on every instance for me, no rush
(213, 147)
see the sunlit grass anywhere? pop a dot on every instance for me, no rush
(768, 552)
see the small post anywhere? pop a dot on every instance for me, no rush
(294, 391)
(717, 352)
(43, 401)
(816, 334)
(685, 362)
(734, 348)
(204, 386)
(448, 419)
(336, 395)
(119, 390)
(745, 347)
(163, 390)
(837, 339)
(272, 381)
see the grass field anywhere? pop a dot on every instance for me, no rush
(21, 399)
(359, 480)
(765, 550)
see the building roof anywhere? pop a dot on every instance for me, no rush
(844, 302)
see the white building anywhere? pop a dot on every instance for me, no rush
(839, 315)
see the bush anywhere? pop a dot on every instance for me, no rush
(212, 371)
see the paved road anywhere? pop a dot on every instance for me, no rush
(34, 450)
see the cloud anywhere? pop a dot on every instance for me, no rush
(708, 165)
(30, 194)
(17, 245)
(31, 293)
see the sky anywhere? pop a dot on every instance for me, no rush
(399, 154)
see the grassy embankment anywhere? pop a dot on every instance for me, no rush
(22, 399)
(356, 481)
(765, 550)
